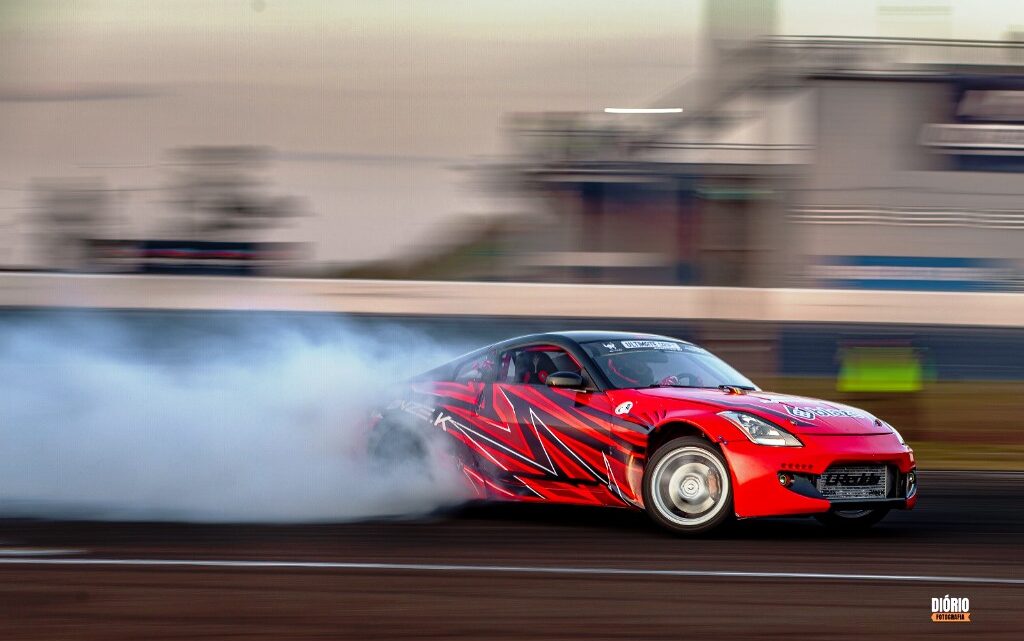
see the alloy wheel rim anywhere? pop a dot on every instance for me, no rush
(689, 486)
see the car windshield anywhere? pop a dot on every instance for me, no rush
(662, 363)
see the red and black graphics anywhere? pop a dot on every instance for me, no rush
(531, 442)
(586, 435)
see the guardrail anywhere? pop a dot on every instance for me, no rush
(869, 54)
(510, 299)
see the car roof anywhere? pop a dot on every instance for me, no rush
(586, 336)
(581, 336)
(562, 339)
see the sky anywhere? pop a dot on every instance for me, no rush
(392, 96)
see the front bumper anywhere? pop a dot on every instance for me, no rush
(756, 473)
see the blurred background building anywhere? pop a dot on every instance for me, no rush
(398, 140)
(803, 161)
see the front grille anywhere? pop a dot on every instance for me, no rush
(854, 482)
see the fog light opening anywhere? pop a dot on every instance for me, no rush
(785, 480)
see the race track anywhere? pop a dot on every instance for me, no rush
(526, 572)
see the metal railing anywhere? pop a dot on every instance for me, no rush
(869, 55)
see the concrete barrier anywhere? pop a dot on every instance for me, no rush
(509, 299)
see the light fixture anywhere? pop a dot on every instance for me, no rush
(624, 110)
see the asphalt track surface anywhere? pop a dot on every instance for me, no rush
(526, 572)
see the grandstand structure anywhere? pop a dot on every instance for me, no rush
(806, 161)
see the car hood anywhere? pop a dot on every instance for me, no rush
(798, 414)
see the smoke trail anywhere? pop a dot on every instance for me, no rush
(247, 420)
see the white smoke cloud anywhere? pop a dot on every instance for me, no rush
(257, 421)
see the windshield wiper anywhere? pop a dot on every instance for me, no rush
(745, 388)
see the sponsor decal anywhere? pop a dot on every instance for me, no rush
(611, 347)
(844, 479)
(446, 422)
(947, 609)
(811, 413)
(419, 410)
(624, 408)
(664, 345)
(799, 412)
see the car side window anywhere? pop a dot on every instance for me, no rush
(532, 365)
(480, 368)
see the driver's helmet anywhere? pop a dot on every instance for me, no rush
(630, 370)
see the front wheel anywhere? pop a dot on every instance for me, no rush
(686, 486)
(851, 520)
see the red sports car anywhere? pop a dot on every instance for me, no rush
(648, 422)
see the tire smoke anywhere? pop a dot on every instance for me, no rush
(242, 421)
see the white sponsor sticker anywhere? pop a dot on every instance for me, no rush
(811, 413)
(668, 345)
(624, 408)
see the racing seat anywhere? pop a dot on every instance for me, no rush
(535, 367)
(544, 366)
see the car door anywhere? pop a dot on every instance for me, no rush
(555, 428)
(449, 401)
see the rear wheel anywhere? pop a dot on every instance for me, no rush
(392, 442)
(686, 486)
(851, 520)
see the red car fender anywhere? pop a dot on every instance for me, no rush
(663, 416)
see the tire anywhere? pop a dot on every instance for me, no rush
(687, 487)
(392, 442)
(851, 521)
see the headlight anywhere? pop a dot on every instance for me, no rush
(761, 431)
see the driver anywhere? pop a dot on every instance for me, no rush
(630, 370)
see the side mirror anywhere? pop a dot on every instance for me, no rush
(570, 380)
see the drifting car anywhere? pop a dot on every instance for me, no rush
(652, 423)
